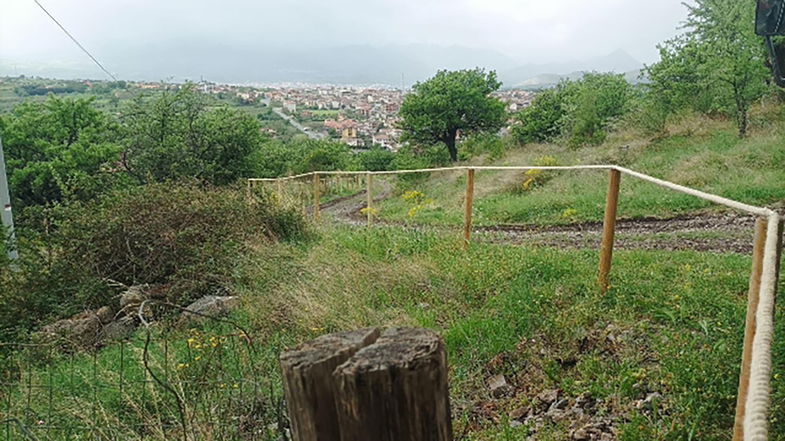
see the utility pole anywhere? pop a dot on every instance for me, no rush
(5, 206)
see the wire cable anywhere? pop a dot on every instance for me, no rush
(75, 41)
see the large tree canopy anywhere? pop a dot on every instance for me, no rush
(449, 103)
(177, 135)
(718, 65)
(60, 149)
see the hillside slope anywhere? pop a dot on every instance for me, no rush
(701, 153)
(656, 358)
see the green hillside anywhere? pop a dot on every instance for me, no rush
(699, 153)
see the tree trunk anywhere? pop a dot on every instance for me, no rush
(742, 111)
(743, 122)
(451, 145)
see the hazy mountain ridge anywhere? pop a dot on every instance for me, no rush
(355, 64)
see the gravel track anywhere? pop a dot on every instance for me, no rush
(725, 232)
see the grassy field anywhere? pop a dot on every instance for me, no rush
(671, 325)
(657, 356)
(709, 157)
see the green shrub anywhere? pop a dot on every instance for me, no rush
(185, 239)
(541, 121)
(579, 111)
(534, 178)
(408, 159)
(376, 159)
(596, 102)
(181, 236)
(62, 149)
(183, 135)
(483, 143)
(324, 156)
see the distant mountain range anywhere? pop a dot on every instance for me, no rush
(545, 75)
(357, 64)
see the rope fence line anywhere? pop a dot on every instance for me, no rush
(750, 209)
(754, 397)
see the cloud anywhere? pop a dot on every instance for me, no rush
(527, 30)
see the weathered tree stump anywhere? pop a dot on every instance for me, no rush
(391, 387)
(396, 389)
(309, 386)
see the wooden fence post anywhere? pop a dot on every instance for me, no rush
(609, 229)
(316, 197)
(749, 330)
(369, 194)
(369, 385)
(303, 193)
(468, 203)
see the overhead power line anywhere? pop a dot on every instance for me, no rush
(75, 40)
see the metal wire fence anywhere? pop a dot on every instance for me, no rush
(200, 386)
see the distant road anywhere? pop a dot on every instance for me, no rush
(297, 125)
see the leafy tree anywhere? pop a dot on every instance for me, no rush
(325, 156)
(717, 65)
(484, 143)
(272, 159)
(300, 155)
(449, 103)
(592, 104)
(61, 149)
(581, 111)
(541, 121)
(177, 135)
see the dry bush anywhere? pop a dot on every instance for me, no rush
(182, 236)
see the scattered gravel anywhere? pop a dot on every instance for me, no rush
(727, 232)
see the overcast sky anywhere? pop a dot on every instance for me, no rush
(529, 31)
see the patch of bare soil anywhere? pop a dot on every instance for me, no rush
(712, 232)
(721, 233)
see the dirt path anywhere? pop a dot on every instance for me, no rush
(714, 232)
(347, 209)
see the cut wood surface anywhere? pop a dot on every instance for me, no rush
(361, 385)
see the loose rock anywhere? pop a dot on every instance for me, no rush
(81, 330)
(212, 306)
(119, 329)
(499, 386)
(133, 296)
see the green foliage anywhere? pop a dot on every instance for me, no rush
(484, 143)
(376, 159)
(175, 235)
(63, 149)
(324, 156)
(272, 159)
(541, 121)
(452, 102)
(5, 245)
(593, 103)
(177, 135)
(276, 158)
(580, 111)
(718, 65)
(675, 82)
(185, 238)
